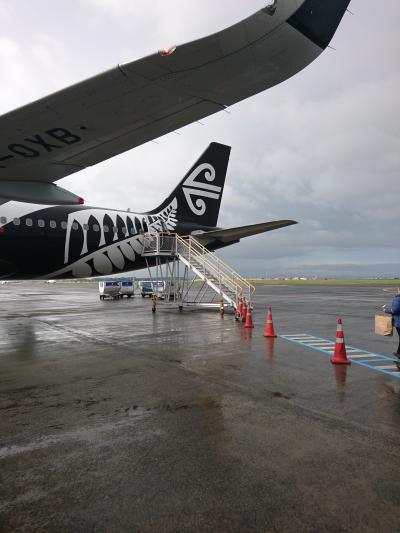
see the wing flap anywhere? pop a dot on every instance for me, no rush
(142, 133)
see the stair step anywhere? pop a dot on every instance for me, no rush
(221, 285)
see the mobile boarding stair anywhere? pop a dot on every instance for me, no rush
(206, 279)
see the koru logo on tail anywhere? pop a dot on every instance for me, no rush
(200, 190)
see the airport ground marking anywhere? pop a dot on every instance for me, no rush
(356, 355)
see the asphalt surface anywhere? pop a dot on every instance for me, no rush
(117, 420)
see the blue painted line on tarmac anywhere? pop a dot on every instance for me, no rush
(308, 341)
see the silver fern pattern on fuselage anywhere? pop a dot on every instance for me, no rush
(121, 254)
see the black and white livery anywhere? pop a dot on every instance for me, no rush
(46, 232)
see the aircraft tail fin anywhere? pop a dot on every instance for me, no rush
(198, 196)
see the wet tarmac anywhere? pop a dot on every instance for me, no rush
(113, 419)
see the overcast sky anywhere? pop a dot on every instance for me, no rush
(322, 148)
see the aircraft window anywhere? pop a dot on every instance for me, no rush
(16, 221)
(40, 223)
(53, 224)
(64, 225)
(115, 229)
(75, 225)
(86, 227)
(106, 229)
(28, 222)
(96, 227)
(3, 220)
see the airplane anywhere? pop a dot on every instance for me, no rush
(47, 232)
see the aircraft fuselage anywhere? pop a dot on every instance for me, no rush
(79, 241)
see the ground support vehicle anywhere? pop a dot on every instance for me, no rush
(110, 289)
(148, 288)
(127, 288)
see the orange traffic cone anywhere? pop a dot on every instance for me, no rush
(269, 325)
(244, 310)
(249, 318)
(340, 355)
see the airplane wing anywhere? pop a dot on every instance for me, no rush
(136, 102)
(231, 235)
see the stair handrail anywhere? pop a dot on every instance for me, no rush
(232, 276)
(222, 262)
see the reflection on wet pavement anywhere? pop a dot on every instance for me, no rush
(270, 344)
(340, 376)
